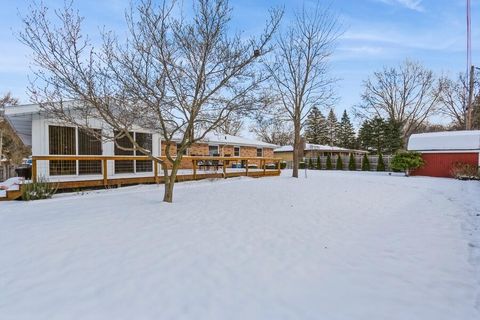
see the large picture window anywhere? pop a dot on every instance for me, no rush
(123, 147)
(144, 140)
(213, 151)
(62, 141)
(89, 144)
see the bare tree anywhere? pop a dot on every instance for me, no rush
(272, 129)
(454, 99)
(232, 126)
(11, 147)
(407, 95)
(179, 77)
(300, 69)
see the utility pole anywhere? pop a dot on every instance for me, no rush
(471, 83)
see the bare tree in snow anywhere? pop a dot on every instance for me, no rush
(176, 76)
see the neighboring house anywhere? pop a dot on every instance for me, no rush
(441, 150)
(314, 151)
(48, 136)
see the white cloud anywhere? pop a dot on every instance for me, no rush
(415, 5)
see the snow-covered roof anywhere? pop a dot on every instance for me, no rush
(318, 147)
(447, 140)
(226, 139)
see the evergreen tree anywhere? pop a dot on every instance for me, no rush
(346, 133)
(352, 165)
(372, 134)
(329, 162)
(393, 136)
(310, 163)
(316, 127)
(339, 163)
(332, 129)
(319, 164)
(365, 163)
(381, 163)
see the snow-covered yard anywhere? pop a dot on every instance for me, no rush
(337, 245)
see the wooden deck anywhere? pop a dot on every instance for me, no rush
(106, 181)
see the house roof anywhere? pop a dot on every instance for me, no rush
(318, 147)
(20, 118)
(446, 140)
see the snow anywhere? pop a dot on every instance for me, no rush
(337, 245)
(448, 140)
(9, 184)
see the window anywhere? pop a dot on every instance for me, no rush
(185, 152)
(62, 141)
(213, 151)
(88, 144)
(144, 140)
(122, 142)
(259, 152)
(236, 151)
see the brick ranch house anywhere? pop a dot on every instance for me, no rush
(48, 136)
(315, 150)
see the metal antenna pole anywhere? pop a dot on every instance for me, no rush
(469, 75)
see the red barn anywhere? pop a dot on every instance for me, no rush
(441, 150)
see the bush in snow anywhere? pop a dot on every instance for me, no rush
(352, 165)
(301, 165)
(329, 162)
(310, 164)
(41, 189)
(465, 171)
(365, 163)
(283, 165)
(407, 161)
(381, 163)
(319, 164)
(339, 163)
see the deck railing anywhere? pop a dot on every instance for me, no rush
(265, 165)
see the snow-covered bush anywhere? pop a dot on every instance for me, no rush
(283, 165)
(465, 171)
(407, 161)
(41, 189)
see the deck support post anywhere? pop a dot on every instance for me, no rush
(224, 169)
(264, 167)
(34, 170)
(155, 171)
(105, 172)
(194, 169)
(246, 167)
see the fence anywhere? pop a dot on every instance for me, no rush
(373, 159)
(7, 172)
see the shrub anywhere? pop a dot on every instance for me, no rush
(365, 163)
(339, 163)
(41, 189)
(465, 171)
(329, 162)
(283, 165)
(310, 163)
(352, 165)
(381, 163)
(407, 161)
(319, 164)
(301, 165)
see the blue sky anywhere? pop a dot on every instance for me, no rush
(378, 33)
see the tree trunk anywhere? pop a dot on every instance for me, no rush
(296, 148)
(170, 180)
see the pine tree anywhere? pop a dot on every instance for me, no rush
(346, 133)
(319, 164)
(352, 165)
(380, 135)
(329, 162)
(316, 127)
(381, 163)
(393, 136)
(332, 129)
(339, 163)
(365, 163)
